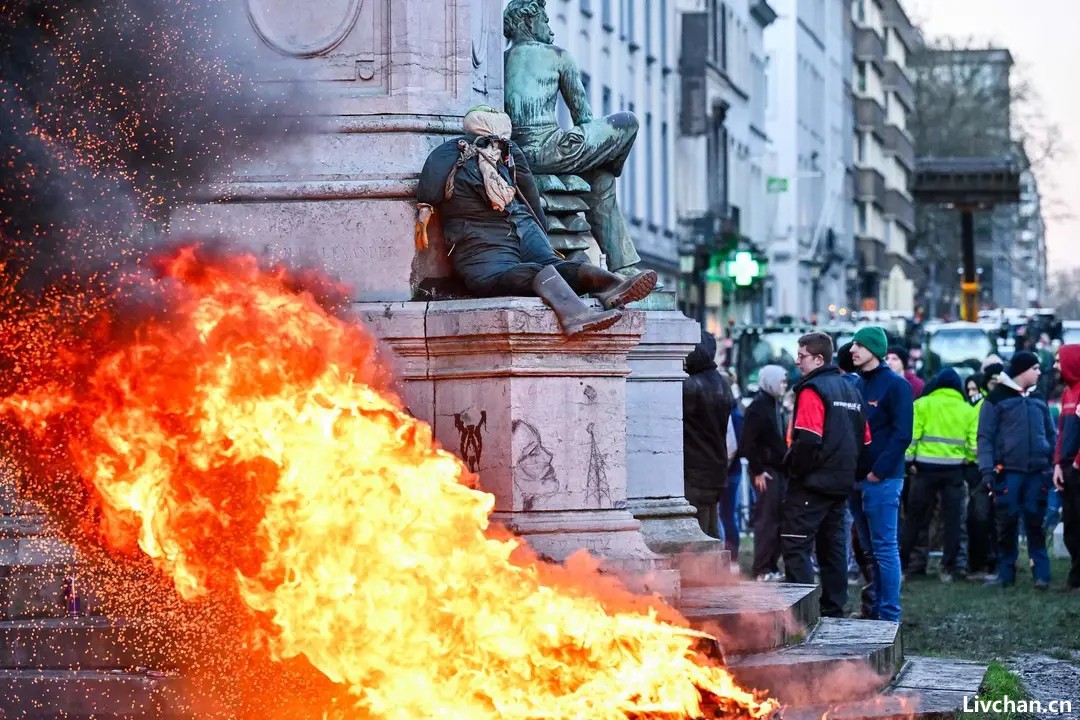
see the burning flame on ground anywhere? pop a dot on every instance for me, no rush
(246, 442)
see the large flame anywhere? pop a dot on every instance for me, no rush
(246, 442)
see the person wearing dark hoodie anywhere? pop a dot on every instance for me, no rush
(1016, 457)
(897, 359)
(944, 441)
(982, 533)
(763, 446)
(875, 502)
(1067, 468)
(707, 405)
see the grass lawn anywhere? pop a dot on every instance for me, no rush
(966, 620)
(998, 685)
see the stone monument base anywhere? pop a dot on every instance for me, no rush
(670, 527)
(654, 444)
(540, 418)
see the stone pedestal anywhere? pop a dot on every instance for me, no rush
(541, 419)
(654, 444)
(384, 81)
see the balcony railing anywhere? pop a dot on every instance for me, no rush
(869, 116)
(870, 186)
(897, 81)
(897, 142)
(869, 47)
(900, 208)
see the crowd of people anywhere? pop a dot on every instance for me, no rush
(860, 466)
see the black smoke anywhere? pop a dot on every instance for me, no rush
(111, 112)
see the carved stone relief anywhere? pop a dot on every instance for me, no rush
(303, 29)
(328, 40)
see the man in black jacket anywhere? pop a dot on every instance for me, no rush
(828, 434)
(707, 404)
(495, 227)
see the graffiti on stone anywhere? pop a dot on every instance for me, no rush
(534, 474)
(597, 489)
(470, 439)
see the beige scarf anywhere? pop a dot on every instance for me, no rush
(487, 123)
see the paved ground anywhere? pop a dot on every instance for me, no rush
(1048, 678)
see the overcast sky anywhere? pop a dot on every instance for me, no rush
(1042, 37)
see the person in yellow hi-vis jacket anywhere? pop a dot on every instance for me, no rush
(943, 443)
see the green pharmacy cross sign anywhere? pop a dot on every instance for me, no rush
(743, 268)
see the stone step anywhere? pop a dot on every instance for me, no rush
(925, 689)
(86, 643)
(38, 591)
(18, 526)
(842, 660)
(752, 616)
(85, 695)
(35, 550)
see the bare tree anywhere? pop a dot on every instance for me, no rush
(973, 101)
(1063, 293)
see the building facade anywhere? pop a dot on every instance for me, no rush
(723, 159)
(884, 155)
(964, 110)
(628, 57)
(812, 256)
(1029, 250)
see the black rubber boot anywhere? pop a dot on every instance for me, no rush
(574, 315)
(613, 290)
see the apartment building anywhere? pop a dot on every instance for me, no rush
(812, 256)
(884, 155)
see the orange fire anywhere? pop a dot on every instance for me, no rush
(246, 441)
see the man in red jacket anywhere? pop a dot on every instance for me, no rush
(1067, 457)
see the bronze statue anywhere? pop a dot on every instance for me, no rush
(594, 149)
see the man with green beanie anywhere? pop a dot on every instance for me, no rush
(875, 503)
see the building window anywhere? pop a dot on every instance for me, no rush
(632, 181)
(665, 167)
(663, 33)
(860, 81)
(862, 217)
(586, 82)
(718, 161)
(631, 37)
(650, 170)
(860, 10)
(586, 7)
(647, 30)
(860, 147)
(606, 16)
(605, 100)
(723, 36)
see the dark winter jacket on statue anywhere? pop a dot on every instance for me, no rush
(707, 405)
(468, 215)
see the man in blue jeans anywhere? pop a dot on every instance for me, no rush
(1016, 458)
(875, 503)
